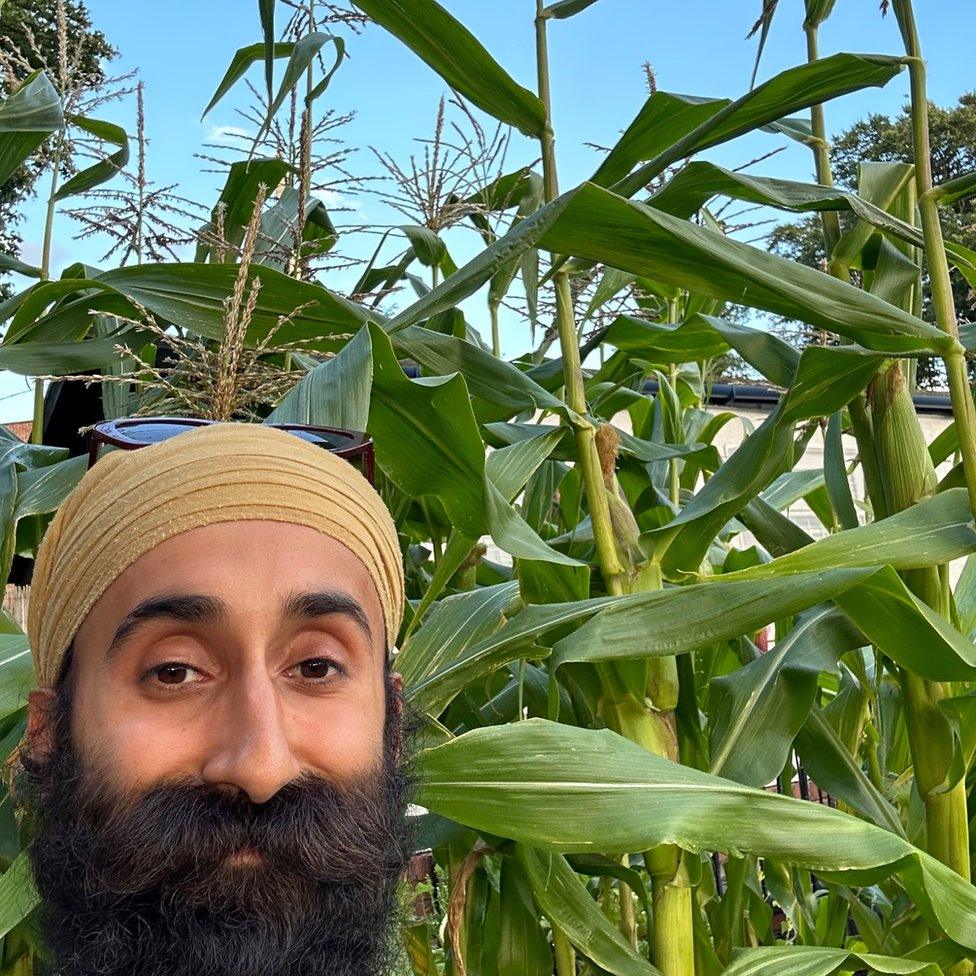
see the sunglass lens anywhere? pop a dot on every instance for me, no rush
(330, 441)
(152, 432)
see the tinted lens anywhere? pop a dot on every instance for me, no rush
(152, 432)
(331, 442)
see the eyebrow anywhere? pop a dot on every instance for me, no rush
(198, 608)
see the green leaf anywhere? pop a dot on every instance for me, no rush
(427, 441)
(335, 393)
(41, 490)
(458, 57)
(599, 226)
(18, 897)
(817, 12)
(241, 189)
(303, 53)
(566, 8)
(9, 263)
(797, 960)
(488, 377)
(434, 690)
(105, 169)
(16, 673)
(704, 337)
(937, 529)
(242, 60)
(699, 181)
(879, 185)
(276, 243)
(266, 8)
(455, 624)
(756, 711)
(523, 949)
(952, 191)
(55, 358)
(427, 438)
(511, 467)
(828, 760)
(477, 272)
(664, 136)
(835, 475)
(826, 379)
(193, 295)
(559, 787)
(428, 247)
(27, 118)
(680, 619)
(564, 899)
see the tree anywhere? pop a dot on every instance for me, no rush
(30, 31)
(886, 139)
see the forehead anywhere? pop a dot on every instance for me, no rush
(251, 565)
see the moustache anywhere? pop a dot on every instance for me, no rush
(202, 845)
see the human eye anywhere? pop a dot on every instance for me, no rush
(172, 675)
(316, 670)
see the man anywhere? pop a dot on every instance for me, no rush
(214, 760)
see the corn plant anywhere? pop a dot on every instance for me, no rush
(612, 739)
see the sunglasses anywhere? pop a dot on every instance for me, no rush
(130, 433)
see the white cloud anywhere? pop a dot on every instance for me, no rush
(228, 135)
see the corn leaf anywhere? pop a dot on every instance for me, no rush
(690, 189)
(103, 170)
(566, 8)
(523, 949)
(828, 760)
(27, 118)
(663, 136)
(16, 673)
(561, 788)
(564, 899)
(243, 59)
(448, 47)
(18, 897)
(756, 711)
(795, 960)
(600, 226)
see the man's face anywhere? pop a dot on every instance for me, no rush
(216, 674)
(230, 795)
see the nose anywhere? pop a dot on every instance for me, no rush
(251, 749)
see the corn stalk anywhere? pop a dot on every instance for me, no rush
(650, 726)
(898, 473)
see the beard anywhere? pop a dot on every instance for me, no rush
(190, 879)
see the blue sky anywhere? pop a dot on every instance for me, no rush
(182, 49)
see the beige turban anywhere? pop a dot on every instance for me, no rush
(131, 501)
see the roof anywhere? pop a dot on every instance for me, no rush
(21, 429)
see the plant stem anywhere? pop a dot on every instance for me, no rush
(935, 256)
(946, 822)
(673, 927)
(37, 428)
(672, 893)
(860, 422)
(305, 163)
(141, 175)
(592, 476)
(891, 442)
(821, 155)
(565, 953)
(628, 918)
(674, 482)
(496, 347)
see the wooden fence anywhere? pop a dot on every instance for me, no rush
(15, 600)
